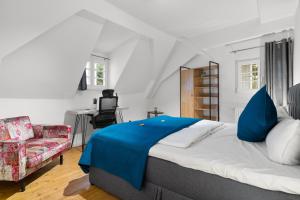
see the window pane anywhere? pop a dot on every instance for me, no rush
(245, 68)
(100, 74)
(100, 81)
(99, 66)
(249, 74)
(254, 67)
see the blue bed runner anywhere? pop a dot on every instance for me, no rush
(122, 149)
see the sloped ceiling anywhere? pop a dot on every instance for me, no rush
(119, 60)
(190, 18)
(135, 77)
(51, 65)
(22, 21)
(112, 37)
(271, 10)
(180, 55)
(41, 43)
(29, 38)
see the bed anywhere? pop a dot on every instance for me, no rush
(209, 170)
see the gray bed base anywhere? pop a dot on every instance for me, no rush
(168, 181)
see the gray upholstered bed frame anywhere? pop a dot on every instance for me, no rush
(294, 101)
(165, 180)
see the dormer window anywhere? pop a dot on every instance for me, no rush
(96, 74)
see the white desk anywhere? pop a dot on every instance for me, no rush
(82, 116)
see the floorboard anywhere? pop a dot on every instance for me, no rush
(55, 182)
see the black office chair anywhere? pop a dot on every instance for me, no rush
(107, 110)
(108, 93)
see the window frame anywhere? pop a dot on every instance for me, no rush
(238, 76)
(92, 75)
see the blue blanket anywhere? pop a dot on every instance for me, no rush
(122, 149)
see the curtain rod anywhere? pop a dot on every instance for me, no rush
(100, 57)
(256, 47)
(259, 36)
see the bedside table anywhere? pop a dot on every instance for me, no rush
(155, 113)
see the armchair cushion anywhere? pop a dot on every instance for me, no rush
(4, 134)
(39, 150)
(12, 160)
(19, 128)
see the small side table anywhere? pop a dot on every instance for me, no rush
(119, 111)
(155, 113)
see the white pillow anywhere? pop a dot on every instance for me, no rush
(283, 142)
(187, 136)
(282, 113)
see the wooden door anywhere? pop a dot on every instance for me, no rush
(186, 93)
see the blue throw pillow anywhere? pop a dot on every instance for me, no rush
(258, 118)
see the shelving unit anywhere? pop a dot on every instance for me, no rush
(199, 92)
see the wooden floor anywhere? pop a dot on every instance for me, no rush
(56, 182)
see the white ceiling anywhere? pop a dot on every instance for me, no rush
(112, 37)
(190, 18)
(271, 10)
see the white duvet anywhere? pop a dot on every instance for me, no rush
(223, 154)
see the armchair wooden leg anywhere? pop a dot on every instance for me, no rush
(22, 185)
(61, 159)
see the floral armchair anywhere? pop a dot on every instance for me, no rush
(25, 148)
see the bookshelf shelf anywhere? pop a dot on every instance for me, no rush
(199, 92)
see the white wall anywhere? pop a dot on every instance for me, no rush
(167, 97)
(136, 102)
(137, 108)
(297, 48)
(229, 97)
(40, 111)
(181, 54)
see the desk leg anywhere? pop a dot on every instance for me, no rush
(77, 119)
(82, 119)
(121, 116)
(85, 128)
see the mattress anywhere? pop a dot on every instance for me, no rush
(222, 154)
